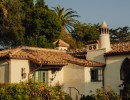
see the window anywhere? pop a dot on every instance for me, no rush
(23, 74)
(96, 75)
(43, 76)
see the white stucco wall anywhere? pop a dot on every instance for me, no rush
(95, 44)
(62, 48)
(105, 41)
(112, 72)
(58, 77)
(90, 87)
(4, 75)
(96, 55)
(16, 66)
(74, 77)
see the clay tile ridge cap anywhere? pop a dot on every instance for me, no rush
(14, 51)
(40, 49)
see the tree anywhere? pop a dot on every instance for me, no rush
(68, 38)
(85, 32)
(28, 23)
(3, 10)
(41, 22)
(40, 3)
(37, 41)
(11, 27)
(120, 34)
(67, 17)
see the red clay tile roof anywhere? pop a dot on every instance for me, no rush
(119, 49)
(78, 53)
(46, 56)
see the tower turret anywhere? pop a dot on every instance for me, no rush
(104, 36)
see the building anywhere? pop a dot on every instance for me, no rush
(115, 56)
(103, 65)
(47, 65)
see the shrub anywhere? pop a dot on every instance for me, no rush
(103, 94)
(31, 91)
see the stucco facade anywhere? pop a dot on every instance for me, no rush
(112, 72)
(96, 55)
(90, 86)
(16, 70)
(74, 77)
(56, 77)
(4, 69)
(79, 77)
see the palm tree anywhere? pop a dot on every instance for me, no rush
(67, 17)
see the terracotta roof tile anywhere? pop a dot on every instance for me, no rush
(47, 56)
(119, 49)
(78, 53)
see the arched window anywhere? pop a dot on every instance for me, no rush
(125, 70)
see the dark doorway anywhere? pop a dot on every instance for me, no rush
(125, 77)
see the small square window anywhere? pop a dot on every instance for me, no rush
(96, 75)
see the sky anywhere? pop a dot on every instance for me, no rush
(116, 13)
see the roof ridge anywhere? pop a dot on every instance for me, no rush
(4, 51)
(13, 51)
(38, 48)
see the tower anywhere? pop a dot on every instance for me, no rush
(104, 36)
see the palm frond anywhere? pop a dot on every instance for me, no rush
(69, 28)
(67, 17)
(70, 13)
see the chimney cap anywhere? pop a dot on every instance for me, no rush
(104, 25)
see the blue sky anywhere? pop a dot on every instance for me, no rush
(115, 12)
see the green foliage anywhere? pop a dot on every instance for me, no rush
(3, 11)
(68, 38)
(41, 21)
(120, 34)
(102, 94)
(85, 32)
(11, 29)
(67, 17)
(106, 95)
(40, 3)
(38, 41)
(22, 21)
(31, 91)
